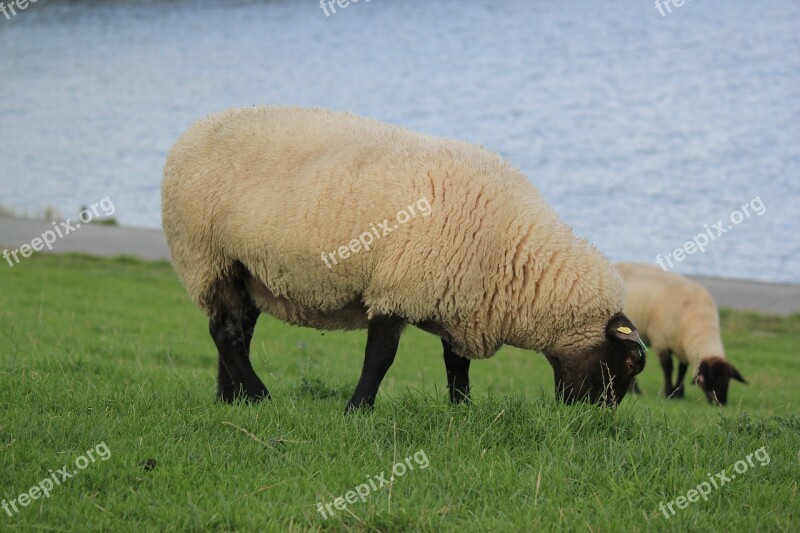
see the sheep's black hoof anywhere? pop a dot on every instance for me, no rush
(254, 395)
(359, 406)
(225, 397)
(674, 394)
(458, 396)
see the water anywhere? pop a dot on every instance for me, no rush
(639, 129)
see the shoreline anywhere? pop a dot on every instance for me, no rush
(150, 244)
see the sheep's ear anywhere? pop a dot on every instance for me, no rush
(737, 376)
(619, 327)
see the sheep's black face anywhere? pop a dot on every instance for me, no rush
(602, 374)
(714, 376)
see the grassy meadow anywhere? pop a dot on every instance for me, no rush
(112, 351)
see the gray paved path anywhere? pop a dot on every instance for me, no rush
(94, 239)
(775, 298)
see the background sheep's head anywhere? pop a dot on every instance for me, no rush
(714, 376)
(602, 373)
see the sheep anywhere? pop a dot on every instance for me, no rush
(677, 316)
(251, 196)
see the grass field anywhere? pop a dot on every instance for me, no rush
(111, 356)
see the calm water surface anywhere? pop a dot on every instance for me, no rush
(639, 129)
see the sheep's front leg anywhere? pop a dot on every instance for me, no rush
(383, 337)
(457, 374)
(665, 356)
(682, 368)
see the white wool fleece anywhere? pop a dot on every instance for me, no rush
(272, 187)
(673, 312)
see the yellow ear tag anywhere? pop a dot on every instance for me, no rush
(625, 329)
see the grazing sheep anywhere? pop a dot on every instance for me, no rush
(679, 317)
(251, 196)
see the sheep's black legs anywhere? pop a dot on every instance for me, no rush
(232, 322)
(457, 374)
(383, 336)
(682, 368)
(225, 384)
(228, 389)
(666, 365)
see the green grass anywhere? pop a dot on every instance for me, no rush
(112, 351)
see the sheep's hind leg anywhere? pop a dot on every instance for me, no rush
(232, 323)
(383, 337)
(228, 388)
(457, 374)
